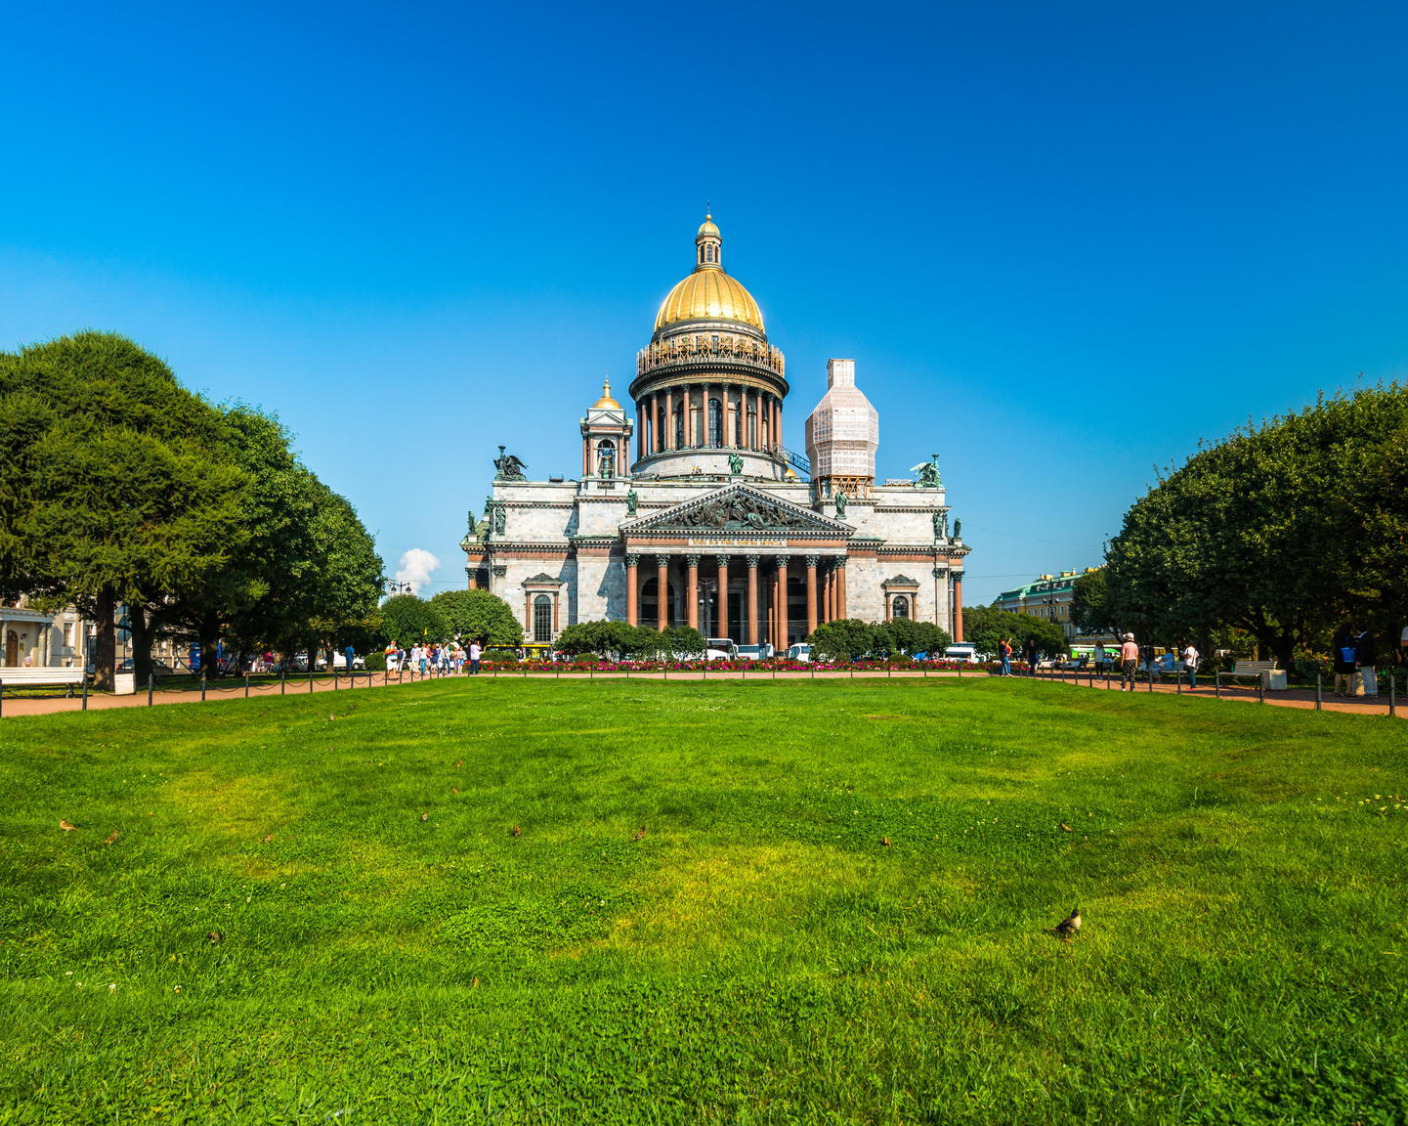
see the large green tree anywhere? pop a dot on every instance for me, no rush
(478, 615)
(985, 626)
(1283, 530)
(116, 485)
(408, 620)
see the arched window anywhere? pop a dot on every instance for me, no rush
(901, 607)
(606, 458)
(542, 618)
(716, 423)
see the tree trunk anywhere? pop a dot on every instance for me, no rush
(104, 640)
(141, 626)
(209, 638)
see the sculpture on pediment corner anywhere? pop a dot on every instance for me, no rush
(941, 525)
(929, 476)
(958, 530)
(509, 468)
(632, 500)
(840, 504)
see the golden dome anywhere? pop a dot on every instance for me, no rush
(606, 402)
(709, 293)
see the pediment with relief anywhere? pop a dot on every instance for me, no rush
(737, 508)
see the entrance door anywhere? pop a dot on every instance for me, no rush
(12, 649)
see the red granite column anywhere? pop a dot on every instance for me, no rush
(632, 590)
(811, 594)
(662, 613)
(667, 432)
(752, 600)
(691, 589)
(958, 606)
(723, 595)
(841, 588)
(784, 611)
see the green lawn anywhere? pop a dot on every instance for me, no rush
(758, 956)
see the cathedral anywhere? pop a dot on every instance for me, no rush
(693, 512)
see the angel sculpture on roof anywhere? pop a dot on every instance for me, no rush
(509, 468)
(928, 472)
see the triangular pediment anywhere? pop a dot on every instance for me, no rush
(737, 508)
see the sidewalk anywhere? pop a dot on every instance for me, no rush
(235, 689)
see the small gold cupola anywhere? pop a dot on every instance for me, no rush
(708, 246)
(606, 402)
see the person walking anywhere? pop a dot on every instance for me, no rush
(1004, 652)
(1343, 653)
(475, 652)
(1191, 657)
(1129, 662)
(1366, 655)
(1031, 655)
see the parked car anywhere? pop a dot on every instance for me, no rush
(964, 652)
(339, 661)
(799, 652)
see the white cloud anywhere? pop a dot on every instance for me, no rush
(416, 567)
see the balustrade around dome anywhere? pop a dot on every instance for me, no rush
(688, 349)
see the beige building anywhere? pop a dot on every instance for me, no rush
(691, 511)
(30, 637)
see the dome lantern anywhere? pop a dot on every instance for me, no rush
(708, 246)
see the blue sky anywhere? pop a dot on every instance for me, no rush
(1062, 243)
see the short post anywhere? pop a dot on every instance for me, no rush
(1392, 703)
(310, 678)
(202, 686)
(1151, 678)
(889, 669)
(334, 678)
(1178, 682)
(283, 679)
(1319, 690)
(246, 686)
(1261, 688)
(2, 697)
(151, 683)
(1217, 685)
(85, 690)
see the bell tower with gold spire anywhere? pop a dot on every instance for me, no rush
(709, 387)
(606, 438)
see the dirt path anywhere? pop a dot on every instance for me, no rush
(221, 690)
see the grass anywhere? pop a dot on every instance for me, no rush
(759, 956)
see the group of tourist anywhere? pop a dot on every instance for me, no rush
(1132, 656)
(1356, 659)
(442, 659)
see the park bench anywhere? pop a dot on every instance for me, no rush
(32, 677)
(41, 677)
(1272, 679)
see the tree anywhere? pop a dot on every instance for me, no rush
(845, 638)
(683, 641)
(1283, 530)
(479, 615)
(905, 635)
(1090, 604)
(985, 626)
(407, 620)
(612, 640)
(115, 483)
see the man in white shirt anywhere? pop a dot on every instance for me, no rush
(474, 654)
(1191, 657)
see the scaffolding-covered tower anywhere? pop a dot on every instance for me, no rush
(843, 434)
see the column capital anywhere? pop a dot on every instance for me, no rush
(783, 560)
(940, 572)
(662, 560)
(752, 561)
(839, 563)
(723, 560)
(632, 560)
(812, 560)
(691, 560)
